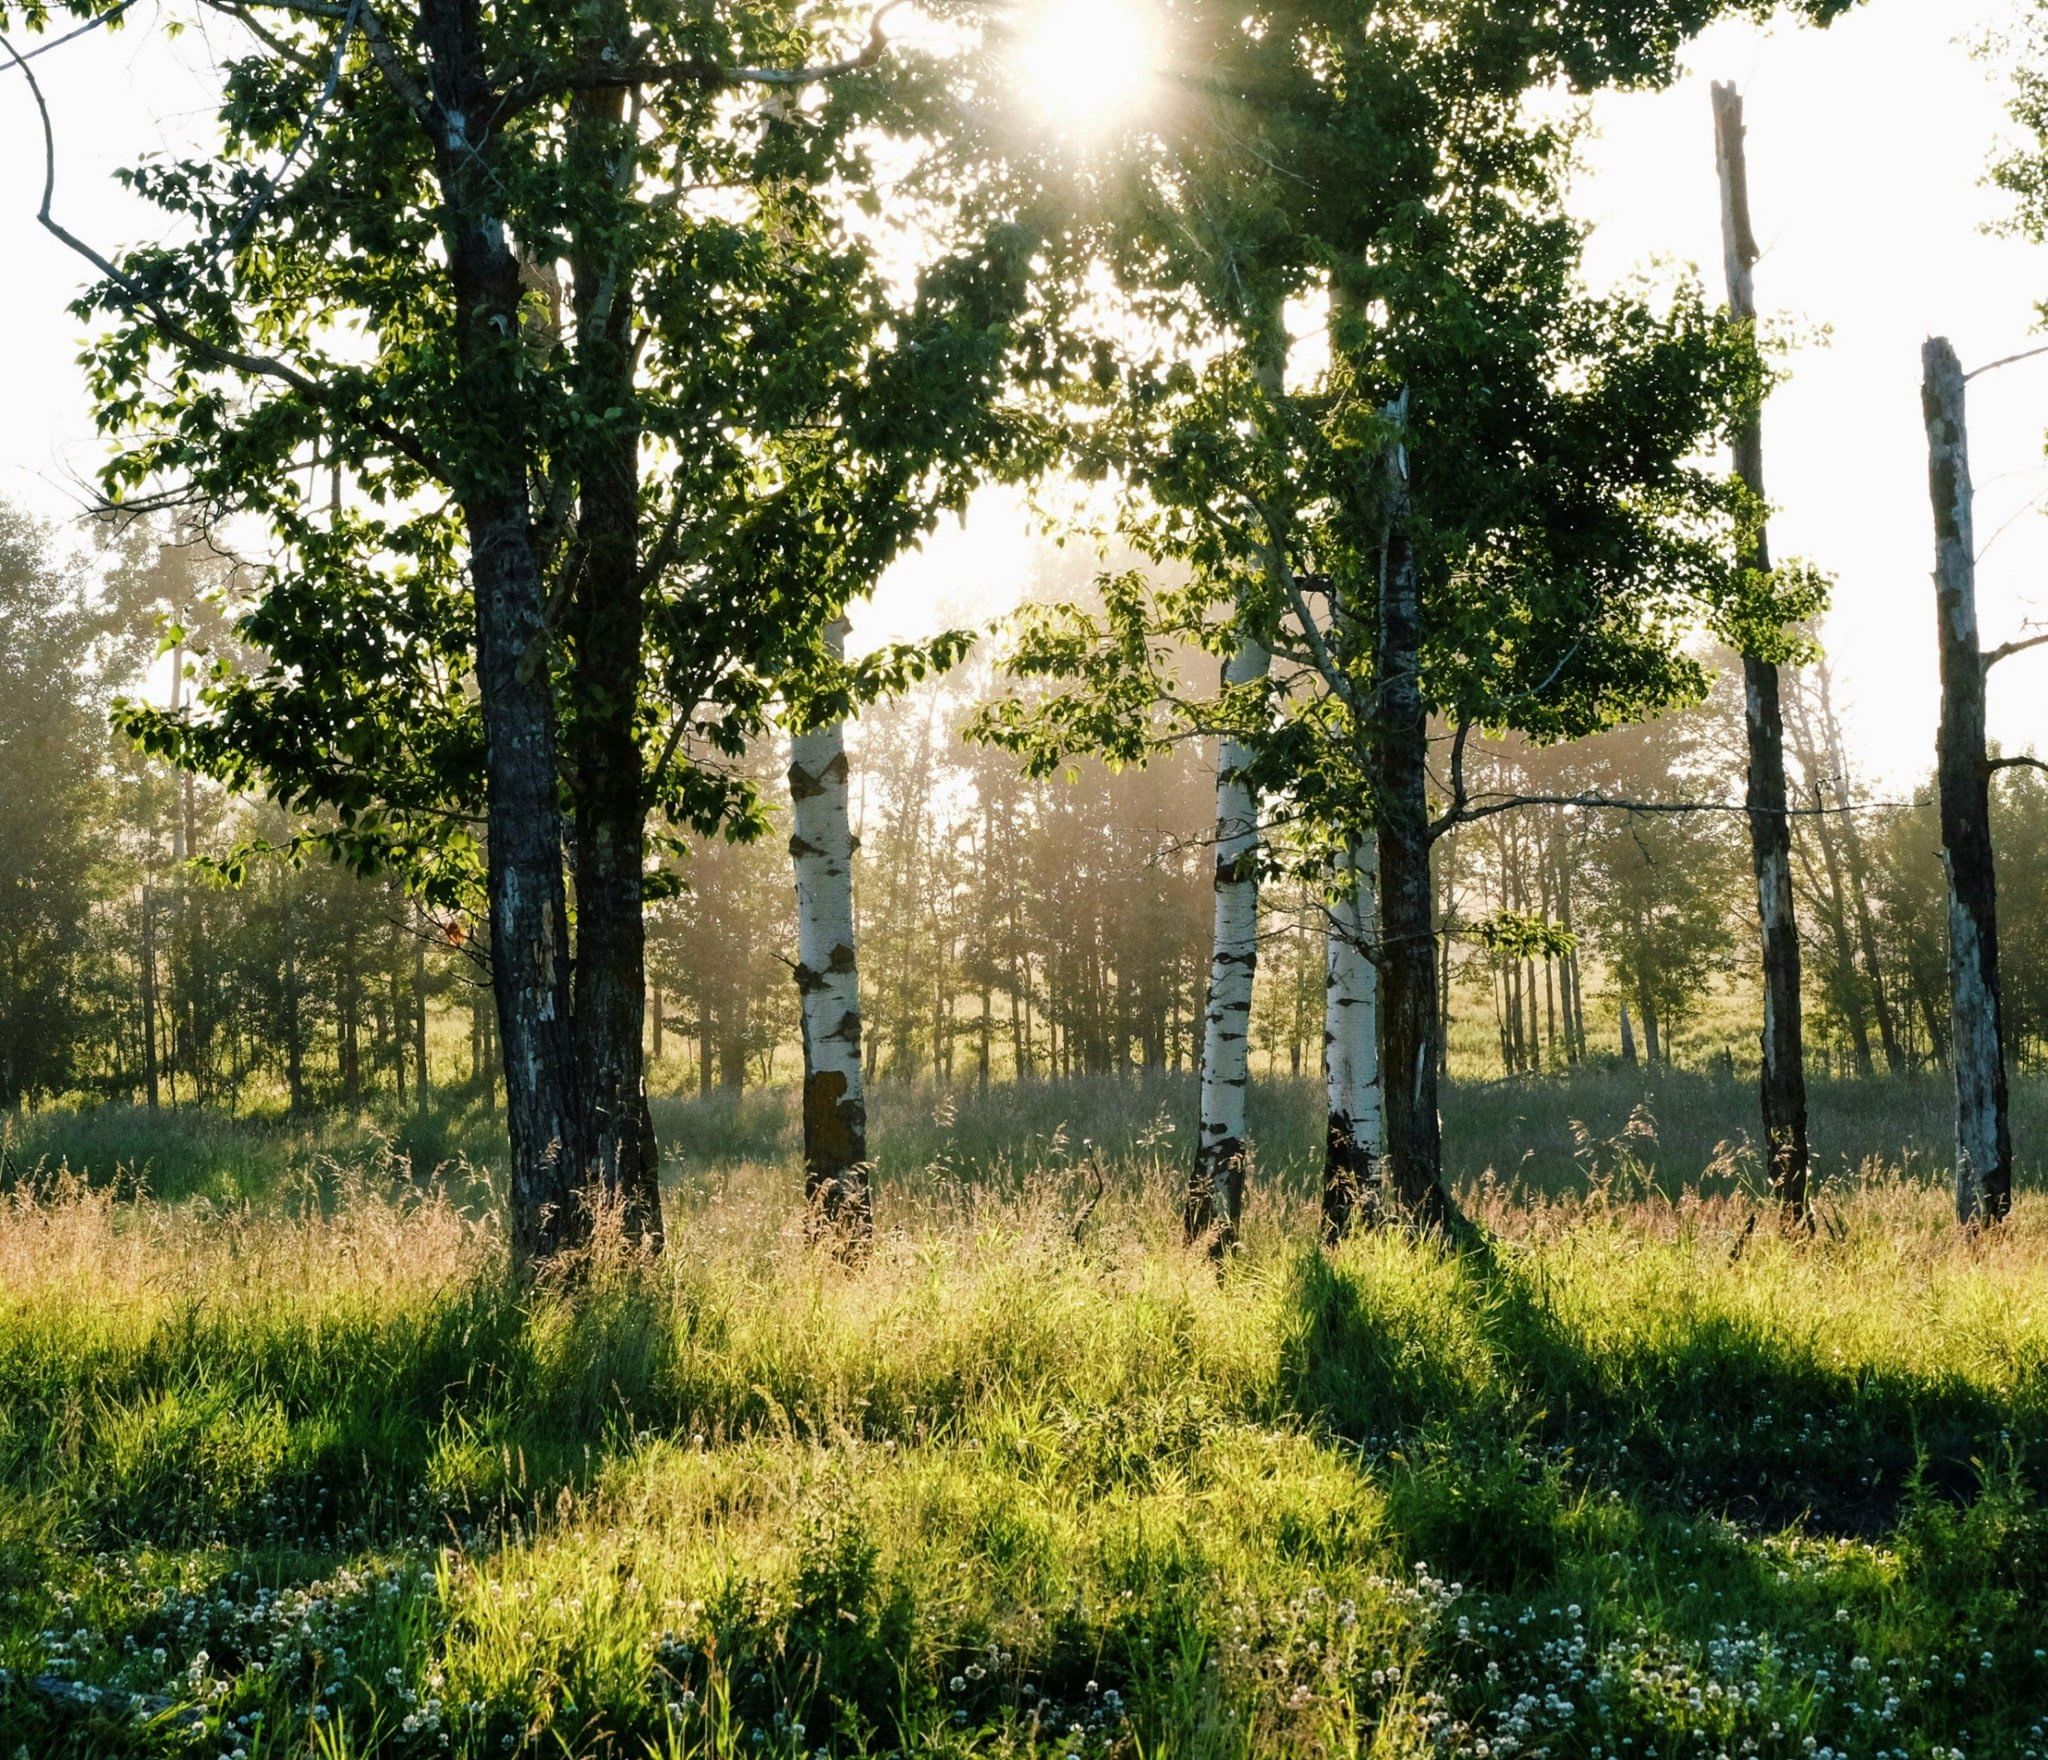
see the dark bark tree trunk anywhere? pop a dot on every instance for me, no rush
(1413, 1160)
(1848, 985)
(1770, 827)
(524, 832)
(348, 1030)
(1655, 1051)
(1976, 1004)
(399, 1036)
(1447, 929)
(610, 994)
(732, 1049)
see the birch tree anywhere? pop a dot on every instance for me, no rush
(1216, 1190)
(1355, 1136)
(821, 848)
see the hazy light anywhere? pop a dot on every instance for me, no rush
(1085, 64)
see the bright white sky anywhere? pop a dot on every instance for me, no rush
(1868, 145)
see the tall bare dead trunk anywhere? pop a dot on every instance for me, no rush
(1770, 827)
(1976, 1005)
(821, 848)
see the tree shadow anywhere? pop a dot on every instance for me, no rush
(1716, 1418)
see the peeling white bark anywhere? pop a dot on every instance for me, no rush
(827, 973)
(1217, 1197)
(1351, 1029)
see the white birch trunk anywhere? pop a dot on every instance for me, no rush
(1351, 1039)
(827, 974)
(1216, 1194)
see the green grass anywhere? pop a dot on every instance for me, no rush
(1549, 1136)
(291, 1457)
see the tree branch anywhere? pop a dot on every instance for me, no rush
(252, 211)
(2011, 360)
(1460, 797)
(636, 67)
(276, 44)
(2011, 648)
(233, 359)
(1497, 804)
(72, 36)
(399, 77)
(2026, 762)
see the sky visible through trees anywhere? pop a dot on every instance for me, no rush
(1848, 462)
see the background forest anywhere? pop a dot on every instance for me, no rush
(1012, 927)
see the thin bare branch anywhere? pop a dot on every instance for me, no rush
(233, 359)
(72, 36)
(2011, 360)
(1460, 796)
(2011, 648)
(1496, 804)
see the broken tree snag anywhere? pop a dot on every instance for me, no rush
(1976, 1008)
(1770, 826)
(1215, 1203)
(837, 1191)
(1351, 1053)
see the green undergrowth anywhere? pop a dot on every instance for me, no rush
(289, 1477)
(1630, 1128)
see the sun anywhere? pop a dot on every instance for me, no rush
(1086, 65)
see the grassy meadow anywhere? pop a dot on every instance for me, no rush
(288, 1466)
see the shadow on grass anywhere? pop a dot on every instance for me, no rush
(1715, 1419)
(1505, 1452)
